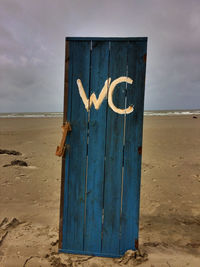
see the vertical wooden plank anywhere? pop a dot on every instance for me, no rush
(67, 116)
(114, 153)
(133, 142)
(65, 106)
(96, 149)
(78, 148)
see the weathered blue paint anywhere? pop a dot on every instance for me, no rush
(68, 117)
(133, 141)
(114, 153)
(78, 149)
(96, 150)
(103, 166)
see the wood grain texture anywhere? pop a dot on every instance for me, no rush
(133, 140)
(96, 150)
(66, 78)
(65, 107)
(114, 153)
(78, 148)
(69, 73)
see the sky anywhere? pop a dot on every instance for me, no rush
(32, 47)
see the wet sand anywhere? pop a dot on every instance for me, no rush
(170, 195)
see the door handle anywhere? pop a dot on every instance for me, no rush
(60, 150)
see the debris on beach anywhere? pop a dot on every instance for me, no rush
(194, 117)
(4, 221)
(155, 244)
(10, 152)
(56, 261)
(133, 257)
(5, 226)
(14, 222)
(17, 162)
(54, 243)
(193, 245)
(2, 237)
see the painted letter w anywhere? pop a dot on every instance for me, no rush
(93, 100)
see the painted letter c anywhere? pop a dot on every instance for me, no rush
(110, 95)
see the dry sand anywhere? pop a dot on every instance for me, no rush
(170, 200)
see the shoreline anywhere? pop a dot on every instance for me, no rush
(159, 113)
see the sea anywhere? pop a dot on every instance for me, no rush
(195, 112)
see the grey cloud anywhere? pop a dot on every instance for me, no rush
(32, 48)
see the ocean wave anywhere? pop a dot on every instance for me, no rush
(60, 114)
(32, 115)
(171, 113)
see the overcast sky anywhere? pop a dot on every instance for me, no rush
(32, 39)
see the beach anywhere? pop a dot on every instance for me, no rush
(170, 195)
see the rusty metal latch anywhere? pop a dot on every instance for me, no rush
(61, 148)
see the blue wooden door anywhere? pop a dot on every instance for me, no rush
(104, 99)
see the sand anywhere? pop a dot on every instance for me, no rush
(170, 200)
